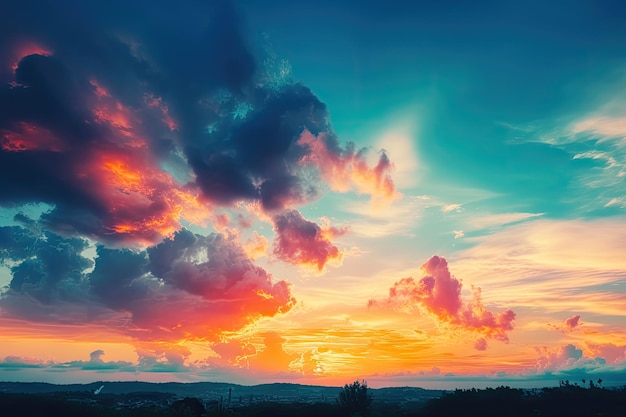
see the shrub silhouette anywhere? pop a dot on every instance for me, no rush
(188, 407)
(355, 399)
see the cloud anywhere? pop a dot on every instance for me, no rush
(481, 344)
(501, 219)
(609, 127)
(568, 325)
(452, 207)
(438, 294)
(19, 362)
(256, 246)
(572, 322)
(121, 130)
(95, 363)
(563, 357)
(612, 353)
(96, 116)
(302, 242)
(616, 201)
(566, 265)
(273, 357)
(96, 356)
(100, 172)
(344, 169)
(189, 286)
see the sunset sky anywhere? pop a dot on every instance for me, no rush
(412, 193)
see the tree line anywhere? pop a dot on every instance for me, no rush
(353, 400)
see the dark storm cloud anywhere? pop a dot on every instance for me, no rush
(258, 156)
(16, 243)
(97, 98)
(116, 277)
(213, 267)
(42, 262)
(187, 286)
(48, 281)
(82, 84)
(101, 100)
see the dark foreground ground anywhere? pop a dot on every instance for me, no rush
(566, 400)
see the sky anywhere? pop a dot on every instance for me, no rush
(429, 194)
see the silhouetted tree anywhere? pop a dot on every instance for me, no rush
(355, 399)
(188, 407)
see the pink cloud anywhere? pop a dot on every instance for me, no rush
(572, 322)
(563, 357)
(303, 242)
(481, 344)
(611, 353)
(568, 325)
(348, 169)
(439, 294)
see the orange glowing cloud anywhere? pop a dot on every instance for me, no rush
(113, 113)
(211, 287)
(438, 294)
(144, 203)
(349, 169)
(256, 246)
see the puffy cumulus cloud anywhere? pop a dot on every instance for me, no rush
(610, 352)
(554, 359)
(44, 266)
(96, 363)
(302, 242)
(438, 293)
(187, 287)
(94, 109)
(223, 289)
(126, 124)
(96, 356)
(68, 143)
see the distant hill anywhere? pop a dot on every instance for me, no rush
(215, 390)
